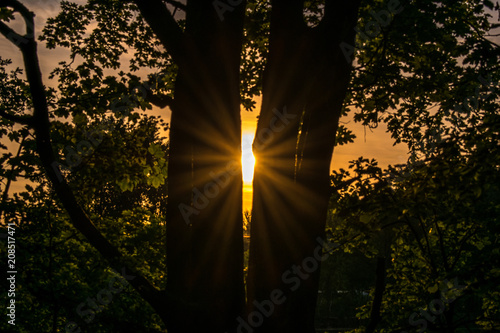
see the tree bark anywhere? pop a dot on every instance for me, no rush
(205, 289)
(307, 75)
(305, 83)
(375, 316)
(205, 220)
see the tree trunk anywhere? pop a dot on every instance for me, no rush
(375, 316)
(305, 84)
(205, 226)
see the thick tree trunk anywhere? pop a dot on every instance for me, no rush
(305, 82)
(205, 227)
(304, 86)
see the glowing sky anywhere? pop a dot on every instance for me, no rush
(370, 144)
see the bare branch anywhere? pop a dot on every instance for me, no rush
(27, 16)
(11, 35)
(18, 7)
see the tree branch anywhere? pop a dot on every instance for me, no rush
(160, 101)
(28, 18)
(164, 26)
(79, 218)
(5, 193)
(340, 13)
(287, 14)
(27, 120)
(18, 7)
(11, 35)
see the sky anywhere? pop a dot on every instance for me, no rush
(369, 143)
(376, 143)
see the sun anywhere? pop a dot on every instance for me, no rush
(247, 158)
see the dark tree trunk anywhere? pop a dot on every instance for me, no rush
(375, 316)
(307, 77)
(205, 227)
(305, 83)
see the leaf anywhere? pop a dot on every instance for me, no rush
(79, 119)
(433, 289)
(147, 171)
(365, 218)
(156, 182)
(156, 150)
(6, 14)
(488, 4)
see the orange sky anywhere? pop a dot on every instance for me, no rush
(370, 144)
(375, 144)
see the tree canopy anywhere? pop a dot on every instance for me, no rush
(133, 222)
